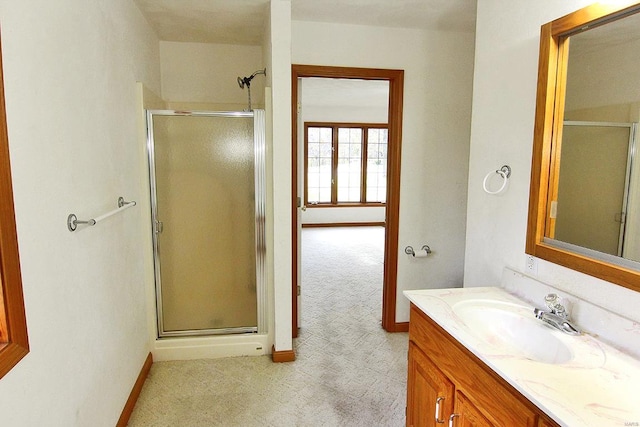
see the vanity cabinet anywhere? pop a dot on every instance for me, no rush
(429, 392)
(449, 386)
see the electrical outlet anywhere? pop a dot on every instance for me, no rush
(531, 266)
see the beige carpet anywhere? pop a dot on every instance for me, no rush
(349, 372)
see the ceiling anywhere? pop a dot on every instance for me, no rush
(242, 21)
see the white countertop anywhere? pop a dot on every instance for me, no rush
(600, 386)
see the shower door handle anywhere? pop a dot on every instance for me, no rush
(158, 227)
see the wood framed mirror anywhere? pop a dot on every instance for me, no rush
(14, 341)
(585, 139)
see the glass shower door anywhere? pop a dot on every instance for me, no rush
(596, 160)
(204, 219)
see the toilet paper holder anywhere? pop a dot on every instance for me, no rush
(409, 250)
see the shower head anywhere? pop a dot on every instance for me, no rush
(263, 71)
(246, 81)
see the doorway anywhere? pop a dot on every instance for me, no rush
(395, 79)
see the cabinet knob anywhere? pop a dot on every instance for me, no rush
(451, 418)
(438, 410)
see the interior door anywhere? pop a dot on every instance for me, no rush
(301, 206)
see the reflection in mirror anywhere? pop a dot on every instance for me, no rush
(584, 206)
(602, 104)
(593, 186)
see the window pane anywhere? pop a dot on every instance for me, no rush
(325, 149)
(313, 194)
(355, 135)
(377, 194)
(349, 164)
(326, 134)
(377, 165)
(325, 194)
(355, 151)
(343, 134)
(318, 178)
(343, 150)
(314, 135)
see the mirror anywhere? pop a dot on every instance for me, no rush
(584, 204)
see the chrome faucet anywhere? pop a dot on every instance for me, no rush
(557, 315)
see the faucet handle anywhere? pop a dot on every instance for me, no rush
(551, 300)
(553, 303)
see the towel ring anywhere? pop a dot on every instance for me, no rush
(504, 172)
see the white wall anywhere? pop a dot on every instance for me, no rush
(507, 43)
(71, 68)
(437, 96)
(280, 152)
(606, 76)
(343, 215)
(203, 75)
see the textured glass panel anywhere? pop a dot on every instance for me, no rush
(205, 195)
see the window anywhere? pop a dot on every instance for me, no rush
(345, 164)
(14, 344)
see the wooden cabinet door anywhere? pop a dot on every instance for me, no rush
(429, 392)
(546, 423)
(467, 415)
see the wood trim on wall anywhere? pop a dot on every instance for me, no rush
(135, 392)
(282, 356)
(390, 286)
(346, 205)
(344, 224)
(392, 212)
(401, 327)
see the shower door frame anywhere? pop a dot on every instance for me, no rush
(259, 143)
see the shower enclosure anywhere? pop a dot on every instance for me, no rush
(207, 174)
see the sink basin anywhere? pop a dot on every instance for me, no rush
(513, 328)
